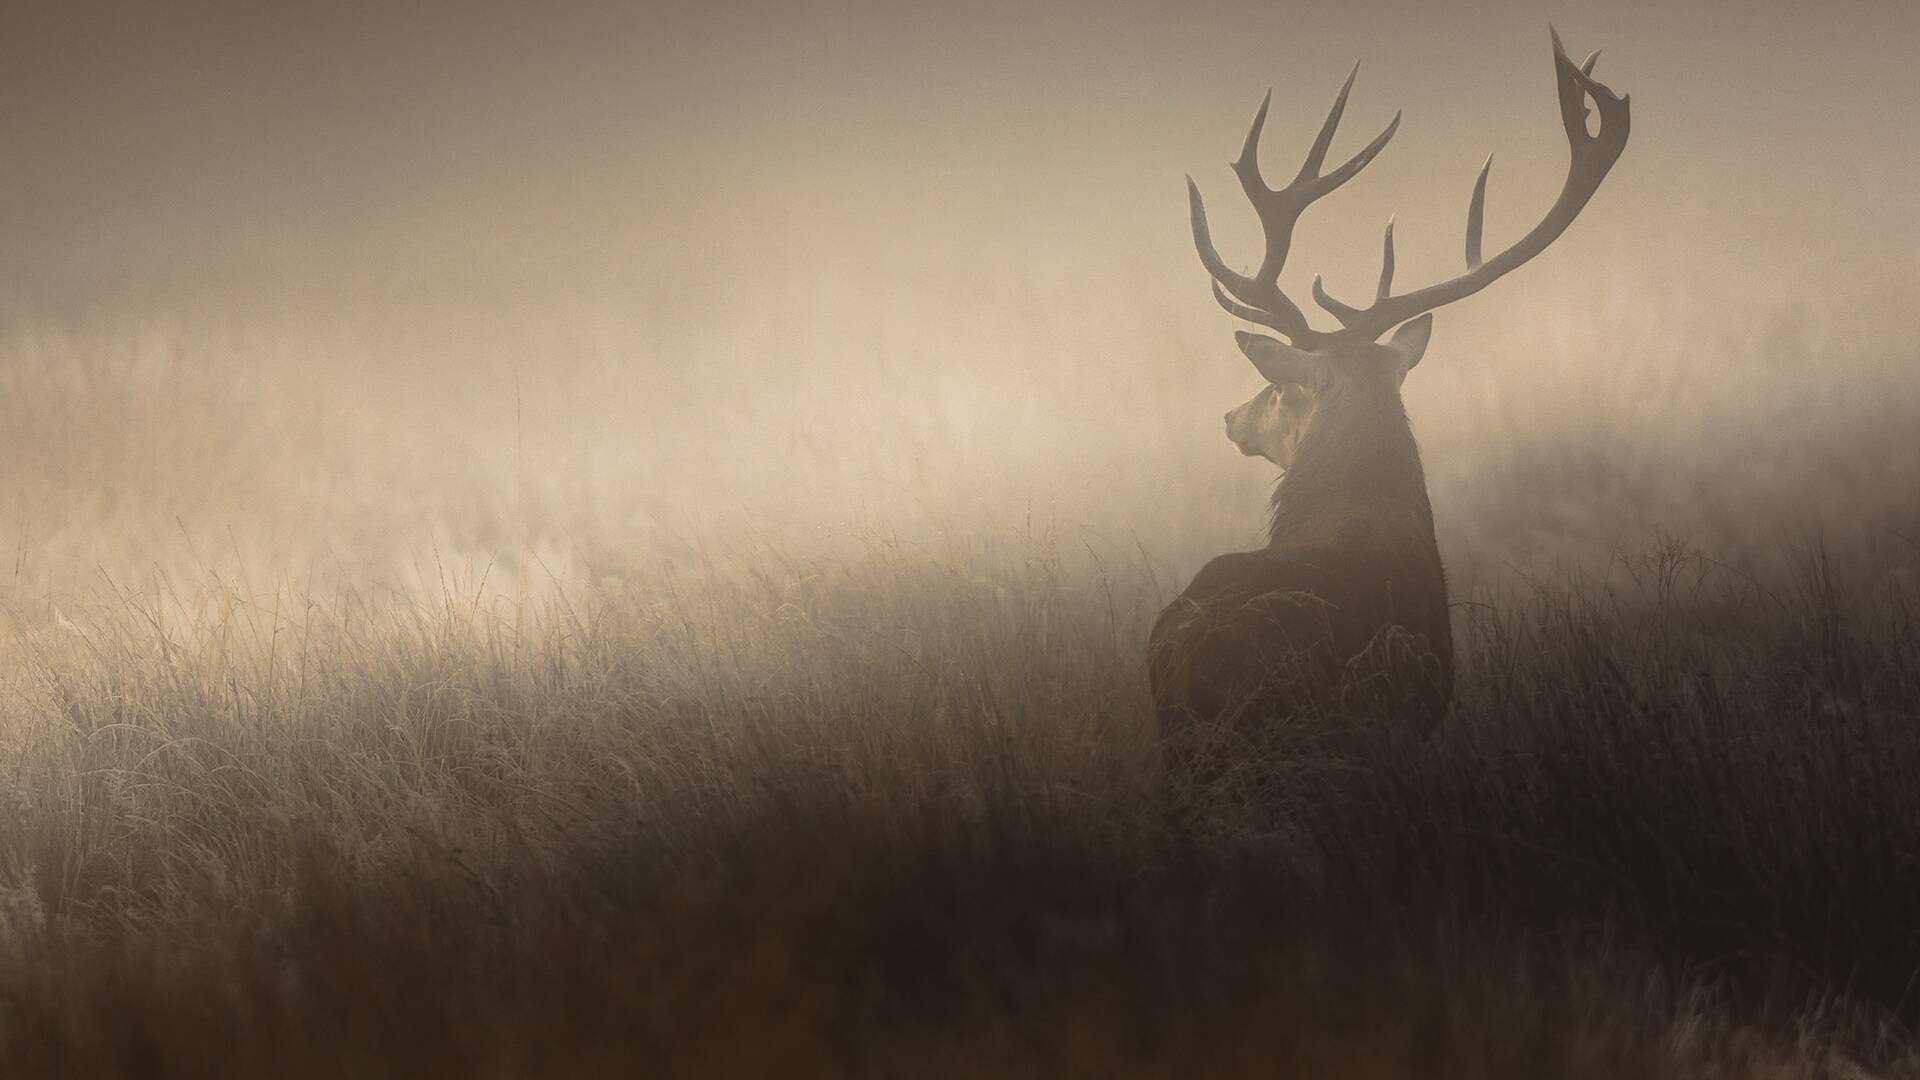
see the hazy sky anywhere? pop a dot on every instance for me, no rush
(339, 277)
(694, 145)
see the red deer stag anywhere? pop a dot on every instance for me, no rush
(1344, 612)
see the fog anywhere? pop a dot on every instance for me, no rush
(607, 284)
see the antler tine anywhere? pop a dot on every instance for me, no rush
(1264, 302)
(1247, 165)
(1258, 297)
(1386, 265)
(1203, 241)
(1360, 160)
(1269, 319)
(1477, 215)
(1323, 140)
(1591, 156)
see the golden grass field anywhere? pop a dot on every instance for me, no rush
(559, 688)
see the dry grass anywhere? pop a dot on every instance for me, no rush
(438, 728)
(851, 813)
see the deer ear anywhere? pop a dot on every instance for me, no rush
(1281, 363)
(1410, 341)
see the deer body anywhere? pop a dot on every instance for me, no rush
(1343, 614)
(1346, 605)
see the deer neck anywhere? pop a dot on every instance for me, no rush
(1358, 453)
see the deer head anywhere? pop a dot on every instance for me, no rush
(1313, 367)
(1271, 422)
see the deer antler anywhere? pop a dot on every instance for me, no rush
(1260, 295)
(1592, 156)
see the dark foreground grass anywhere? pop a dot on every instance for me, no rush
(898, 815)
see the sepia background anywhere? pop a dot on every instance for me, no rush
(536, 539)
(565, 293)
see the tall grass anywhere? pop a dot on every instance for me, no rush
(846, 814)
(398, 699)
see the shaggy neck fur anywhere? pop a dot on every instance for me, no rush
(1358, 450)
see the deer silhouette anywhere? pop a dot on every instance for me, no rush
(1343, 614)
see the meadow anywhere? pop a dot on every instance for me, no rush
(581, 687)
